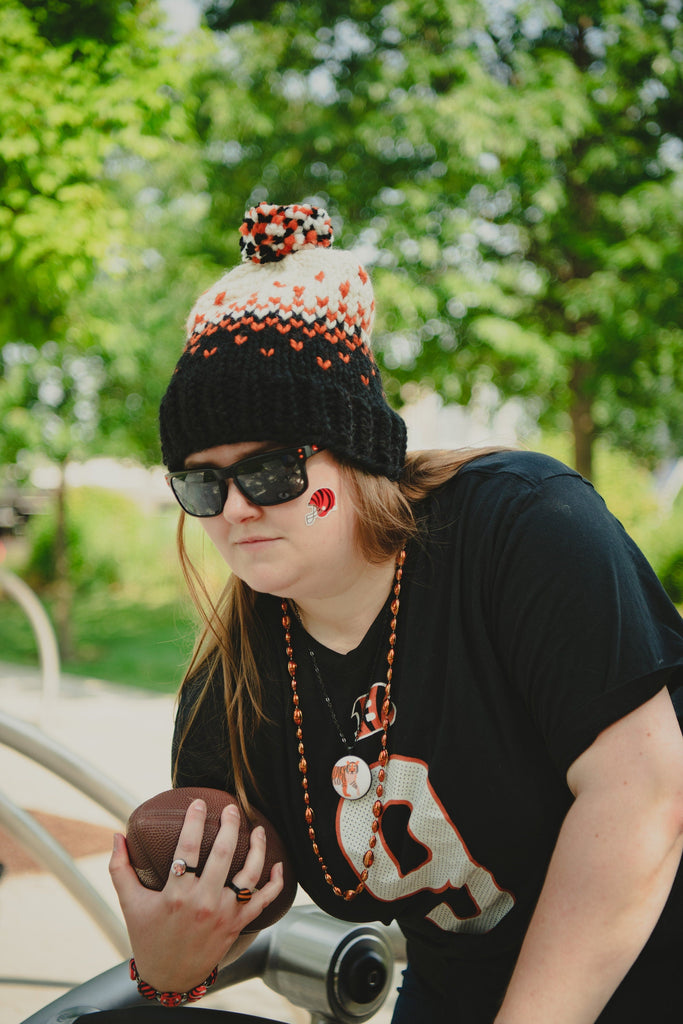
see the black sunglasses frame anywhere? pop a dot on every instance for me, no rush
(222, 477)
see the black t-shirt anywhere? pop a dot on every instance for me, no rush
(529, 622)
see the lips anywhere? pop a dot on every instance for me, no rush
(247, 541)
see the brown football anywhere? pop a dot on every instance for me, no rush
(152, 837)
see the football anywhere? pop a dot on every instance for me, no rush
(152, 837)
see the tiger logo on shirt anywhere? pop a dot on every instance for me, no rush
(367, 711)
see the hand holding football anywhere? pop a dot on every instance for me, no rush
(152, 838)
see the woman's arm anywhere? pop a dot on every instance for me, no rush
(610, 874)
(178, 935)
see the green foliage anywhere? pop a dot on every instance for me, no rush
(131, 619)
(111, 543)
(89, 93)
(50, 399)
(96, 521)
(513, 173)
(134, 643)
(662, 542)
(67, 110)
(671, 575)
(61, 21)
(115, 545)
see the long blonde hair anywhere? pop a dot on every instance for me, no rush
(387, 518)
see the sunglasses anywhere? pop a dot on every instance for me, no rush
(269, 479)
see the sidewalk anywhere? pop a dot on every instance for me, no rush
(47, 942)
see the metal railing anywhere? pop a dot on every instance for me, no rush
(48, 651)
(23, 827)
(339, 972)
(37, 746)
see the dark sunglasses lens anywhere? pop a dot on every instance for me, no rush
(273, 480)
(200, 493)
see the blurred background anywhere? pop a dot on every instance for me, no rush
(511, 173)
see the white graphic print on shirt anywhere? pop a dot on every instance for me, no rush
(447, 864)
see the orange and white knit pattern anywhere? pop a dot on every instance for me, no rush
(313, 293)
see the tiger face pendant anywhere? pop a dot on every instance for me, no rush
(351, 777)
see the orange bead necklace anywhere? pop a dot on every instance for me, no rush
(297, 716)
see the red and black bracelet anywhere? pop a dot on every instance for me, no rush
(171, 998)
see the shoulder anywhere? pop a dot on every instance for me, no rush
(201, 695)
(506, 483)
(200, 737)
(519, 468)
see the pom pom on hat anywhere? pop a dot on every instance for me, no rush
(269, 233)
(278, 349)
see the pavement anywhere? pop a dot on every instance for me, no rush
(48, 943)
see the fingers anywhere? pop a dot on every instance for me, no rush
(249, 876)
(210, 887)
(178, 934)
(244, 913)
(209, 893)
(223, 850)
(244, 882)
(123, 876)
(190, 838)
(218, 866)
(273, 886)
(252, 869)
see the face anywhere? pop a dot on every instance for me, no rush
(304, 548)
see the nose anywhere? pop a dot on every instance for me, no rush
(237, 508)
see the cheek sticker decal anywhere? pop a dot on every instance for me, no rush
(321, 502)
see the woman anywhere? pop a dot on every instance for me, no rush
(444, 677)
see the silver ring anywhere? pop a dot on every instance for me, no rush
(179, 867)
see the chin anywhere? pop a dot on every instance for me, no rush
(276, 584)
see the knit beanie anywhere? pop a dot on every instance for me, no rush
(278, 350)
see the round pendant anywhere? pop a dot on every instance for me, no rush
(351, 777)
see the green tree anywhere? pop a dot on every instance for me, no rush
(602, 224)
(88, 94)
(512, 172)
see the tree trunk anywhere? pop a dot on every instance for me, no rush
(583, 425)
(63, 590)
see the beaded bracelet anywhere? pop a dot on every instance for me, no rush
(171, 998)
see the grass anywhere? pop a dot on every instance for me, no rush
(131, 620)
(132, 643)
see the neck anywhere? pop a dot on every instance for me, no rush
(341, 620)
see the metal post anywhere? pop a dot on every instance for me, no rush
(42, 628)
(52, 854)
(42, 749)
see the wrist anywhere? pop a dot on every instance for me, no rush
(171, 998)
